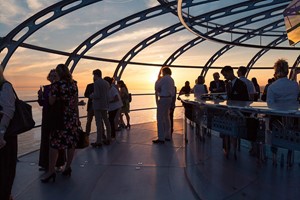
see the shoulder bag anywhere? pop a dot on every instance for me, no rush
(83, 139)
(22, 120)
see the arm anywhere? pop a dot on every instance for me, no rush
(8, 105)
(205, 89)
(211, 88)
(270, 97)
(40, 97)
(88, 90)
(53, 93)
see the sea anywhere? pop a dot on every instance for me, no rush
(141, 99)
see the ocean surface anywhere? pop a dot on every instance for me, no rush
(30, 141)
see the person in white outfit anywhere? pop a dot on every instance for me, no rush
(164, 91)
(250, 86)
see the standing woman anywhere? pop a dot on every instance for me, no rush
(43, 100)
(63, 94)
(114, 105)
(8, 144)
(125, 99)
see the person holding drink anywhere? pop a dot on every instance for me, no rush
(43, 100)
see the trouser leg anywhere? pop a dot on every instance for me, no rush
(107, 124)
(99, 124)
(163, 118)
(8, 162)
(90, 115)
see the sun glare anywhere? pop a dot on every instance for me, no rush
(153, 77)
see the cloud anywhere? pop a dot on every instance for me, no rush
(10, 10)
(34, 4)
(152, 3)
(136, 35)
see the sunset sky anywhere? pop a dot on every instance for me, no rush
(27, 69)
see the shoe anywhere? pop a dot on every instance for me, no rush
(158, 141)
(47, 179)
(59, 169)
(96, 145)
(167, 139)
(106, 142)
(67, 172)
(128, 126)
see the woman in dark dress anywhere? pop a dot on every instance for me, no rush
(43, 100)
(64, 135)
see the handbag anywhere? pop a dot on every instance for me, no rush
(83, 139)
(22, 120)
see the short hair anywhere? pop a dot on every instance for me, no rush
(200, 80)
(281, 68)
(227, 68)
(167, 70)
(97, 72)
(108, 79)
(243, 70)
(51, 71)
(121, 83)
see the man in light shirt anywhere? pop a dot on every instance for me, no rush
(283, 93)
(164, 91)
(250, 87)
(100, 106)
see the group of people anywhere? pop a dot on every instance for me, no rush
(280, 93)
(108, 103)
(60, 117)
(240, 89)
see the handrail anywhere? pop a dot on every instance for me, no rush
(85, 116)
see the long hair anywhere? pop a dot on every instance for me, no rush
(63, 73)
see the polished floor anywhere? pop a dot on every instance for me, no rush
(133, 168)
(130, 168)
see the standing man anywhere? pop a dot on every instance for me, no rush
(236, 90)
(251, 92)
(90, 111)
(217, 85)
(250, 87)
(100, 105)
(164, 91)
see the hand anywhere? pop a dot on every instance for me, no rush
(40, 92)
